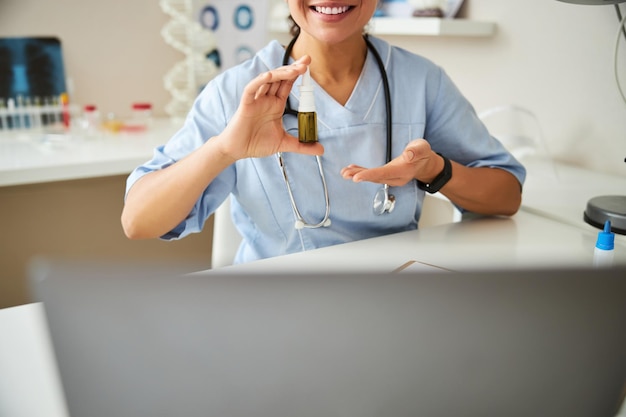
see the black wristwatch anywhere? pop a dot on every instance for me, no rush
(440, 180)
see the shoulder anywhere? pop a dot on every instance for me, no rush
(400, 59)
(411, 75)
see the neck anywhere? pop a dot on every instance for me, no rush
(335, 67)
(332, 62)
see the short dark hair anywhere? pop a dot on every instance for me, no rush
(294, 29)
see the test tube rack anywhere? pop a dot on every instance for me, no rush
(28, 113)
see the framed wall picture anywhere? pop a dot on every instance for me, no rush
(240, 28)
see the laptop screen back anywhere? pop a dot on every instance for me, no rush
(138, 342)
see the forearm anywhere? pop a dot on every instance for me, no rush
(484, 190)
(160, 200)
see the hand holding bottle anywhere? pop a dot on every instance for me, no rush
(256, 130)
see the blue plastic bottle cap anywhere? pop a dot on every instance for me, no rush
(606, 239)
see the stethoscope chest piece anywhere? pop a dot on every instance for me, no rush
(383, 201)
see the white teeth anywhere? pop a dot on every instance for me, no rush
(331, 10)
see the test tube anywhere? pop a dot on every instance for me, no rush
(4, 124)
(12, 114)
(22, 116)
(64, 102)
(34, 112)
(37, 116)
(55, 110)
(28, 113)
(44, 109)
(49, 111)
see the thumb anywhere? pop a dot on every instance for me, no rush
(415, 150)
(408, 155)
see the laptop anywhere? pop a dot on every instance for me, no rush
(144, 341)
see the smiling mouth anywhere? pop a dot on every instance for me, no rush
(331, 10)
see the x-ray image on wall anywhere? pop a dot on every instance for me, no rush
(31, 67)
(240, 28)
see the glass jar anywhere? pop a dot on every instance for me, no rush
(141, 116)
(91, 119)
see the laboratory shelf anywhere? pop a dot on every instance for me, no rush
(417, 26)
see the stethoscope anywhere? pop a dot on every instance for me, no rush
(384, 202)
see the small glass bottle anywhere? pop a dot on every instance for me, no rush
(605, 247)
(91, 119)
(307, 116)
(142, 116)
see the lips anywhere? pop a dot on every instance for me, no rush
(331, 10)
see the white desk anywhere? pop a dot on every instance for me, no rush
(526, 240)
(548, 231)
(64, 198)
(28, 157)
(561, 191)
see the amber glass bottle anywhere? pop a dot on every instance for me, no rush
(307, 117)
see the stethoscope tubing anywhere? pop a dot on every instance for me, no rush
(300, 222)
(389, 200)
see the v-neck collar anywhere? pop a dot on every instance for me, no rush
(368, 87)
(367, 91)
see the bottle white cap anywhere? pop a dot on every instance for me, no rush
(307, 100)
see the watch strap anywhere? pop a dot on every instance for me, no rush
(440, 180)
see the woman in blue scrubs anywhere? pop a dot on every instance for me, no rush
(237, 141)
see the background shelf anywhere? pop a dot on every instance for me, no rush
(419, 26)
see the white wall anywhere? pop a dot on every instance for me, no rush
(551, 57)
(555, 59)
(113, 50)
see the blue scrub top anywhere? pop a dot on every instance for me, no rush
(425, 104)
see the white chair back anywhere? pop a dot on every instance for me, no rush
(226, 237)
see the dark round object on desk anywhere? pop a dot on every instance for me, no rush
(607, 207)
